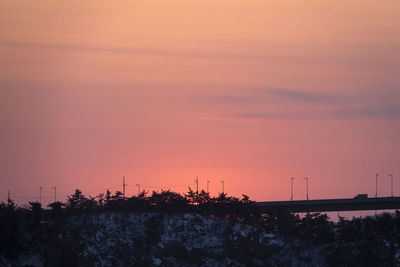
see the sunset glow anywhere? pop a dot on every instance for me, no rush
(248, 92)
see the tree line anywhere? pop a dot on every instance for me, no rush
(351, 242)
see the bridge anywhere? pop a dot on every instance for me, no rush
(325, 205)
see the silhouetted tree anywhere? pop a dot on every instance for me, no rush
(316, 227)
(203, 197)
(56, 206)
(108, 195)
(76, 200)
(191, 196)
(168, 201)
(36, 208)
(56, 209)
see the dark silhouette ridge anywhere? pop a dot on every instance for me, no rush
(356, 242)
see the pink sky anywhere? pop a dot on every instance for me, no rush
(249, 92)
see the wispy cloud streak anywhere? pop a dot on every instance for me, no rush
(137, 50)
(305, 96)
(286, 104)
(267, 95)
(218, 53)
(345, 113)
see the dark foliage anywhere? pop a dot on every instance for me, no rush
(370, 241)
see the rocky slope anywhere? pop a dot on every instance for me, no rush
(154, 239)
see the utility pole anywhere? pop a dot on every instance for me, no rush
(197, 185)
(208, 183)
(376, 185)
(8, 199)
(391, 183)
(138, 189)
(123, 185)
(306, 178)
(40, 194)
(223, 186)
(55, 193)
(291, 187)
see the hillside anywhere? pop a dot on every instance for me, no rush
(168, 229)
(154, 239)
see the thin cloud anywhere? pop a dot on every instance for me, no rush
(373, 113)
(305, 96)
(266, 55)
(290, 54)
(268, 115)
(286, 104)
(228, 99)
(362, 113)
(268, 95)
(136, 50)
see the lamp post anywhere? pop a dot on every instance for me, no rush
(197, 185)
(40, 194)
(306, 178)
(138, 189)
(391, 184)
(291, 187)
(55, 193)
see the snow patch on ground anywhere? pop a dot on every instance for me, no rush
(129, 239)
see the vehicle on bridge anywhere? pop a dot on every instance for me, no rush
(362, 196)
(359, 202)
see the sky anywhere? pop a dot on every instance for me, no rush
(246, 92)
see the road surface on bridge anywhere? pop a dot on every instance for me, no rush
(325, 205)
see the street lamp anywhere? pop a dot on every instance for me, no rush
(138, 191)
(391, 183)
(306, 178)
(40, 194)
(291, 187)
(55, 193)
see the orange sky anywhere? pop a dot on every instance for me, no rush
(249, 92)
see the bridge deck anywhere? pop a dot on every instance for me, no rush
(321, 205)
